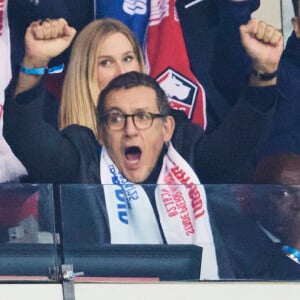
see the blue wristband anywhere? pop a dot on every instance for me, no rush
(292, 253)
(42, 71)
(33, 71)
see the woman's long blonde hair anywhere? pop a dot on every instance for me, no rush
(80, 89)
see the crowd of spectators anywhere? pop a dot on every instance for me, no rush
(61, 131)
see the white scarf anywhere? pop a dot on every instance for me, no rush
(10, 167)
(181, 204)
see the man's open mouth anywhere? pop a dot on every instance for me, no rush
(133, 153)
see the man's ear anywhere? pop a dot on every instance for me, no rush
(169, 127)
(296, 25)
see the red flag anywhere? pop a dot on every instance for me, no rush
(169, 63)
(15, 207)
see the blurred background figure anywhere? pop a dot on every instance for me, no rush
(279, 211)
(275, 205)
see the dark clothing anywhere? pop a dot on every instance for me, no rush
(72, 155)
(211, 31)
(217, 58)
(241, 245)
(285, 134)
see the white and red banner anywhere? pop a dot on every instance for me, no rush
(168, 61)
(5, 66)
(14, 208)
(181, 204)
(10, 167)
(1, 15)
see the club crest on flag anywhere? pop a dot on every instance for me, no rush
(181, 91)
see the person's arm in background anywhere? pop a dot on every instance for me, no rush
(231, 65)
(210, 29)
(38, 145)
(232, 147)
(264, 45)
(285, 134)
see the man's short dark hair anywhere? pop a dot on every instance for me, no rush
(130, 80)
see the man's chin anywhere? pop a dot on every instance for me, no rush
(135, 177)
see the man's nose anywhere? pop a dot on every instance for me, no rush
(130, 128)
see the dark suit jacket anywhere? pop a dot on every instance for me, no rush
(249, 252)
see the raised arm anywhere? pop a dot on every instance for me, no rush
(285, 134)
(226, 155)
(264, 45)
(44, 40)
(47, 154)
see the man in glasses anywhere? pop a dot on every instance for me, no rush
(139, 143)
(135, 123)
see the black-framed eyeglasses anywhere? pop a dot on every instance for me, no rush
(141, 120)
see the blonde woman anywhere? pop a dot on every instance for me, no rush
(104, 49)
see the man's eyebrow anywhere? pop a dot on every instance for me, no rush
(113, 108)
(138, 109)
(142, 109)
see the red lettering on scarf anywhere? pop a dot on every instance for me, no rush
(168, 203)
(175, 203)
(187, 223)
(196, 201)
(169, 179)
(180, 202)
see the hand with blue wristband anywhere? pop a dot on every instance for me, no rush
(44, 40)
